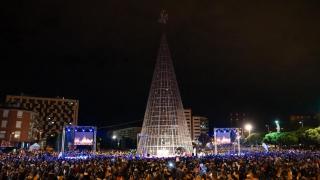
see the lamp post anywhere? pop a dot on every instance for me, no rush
(114, 137)
(301, 122)
(40, 138)
(278, 125)
(238, 138)
(248, 127)
(215, 141)
(267, 126)
(12, 133)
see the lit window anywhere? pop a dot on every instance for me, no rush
(5, 113)
(4, 123)
(17, 134)
(19, 114)
(18, 124)
(2, 134)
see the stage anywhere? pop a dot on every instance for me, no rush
(79, 138)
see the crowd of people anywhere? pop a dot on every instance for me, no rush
(288, 164)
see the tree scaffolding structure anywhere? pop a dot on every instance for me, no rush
(164, 130)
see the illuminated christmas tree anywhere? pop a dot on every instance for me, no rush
(165, 130)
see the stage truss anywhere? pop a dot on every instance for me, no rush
(226, 137)
(73, 136)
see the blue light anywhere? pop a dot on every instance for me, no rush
(82, 130)
(90, 130)
(75, 130)
(170, 164)
(69, 130)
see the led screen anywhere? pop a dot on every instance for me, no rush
(223, 137)
(83, 138)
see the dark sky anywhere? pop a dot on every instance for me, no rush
(261, 57)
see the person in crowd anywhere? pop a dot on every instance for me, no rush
(120, 166)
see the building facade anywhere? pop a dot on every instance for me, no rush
(18, 126)
(300, 120)
(188, 114)
(130, 133)
(200, 125)
(54, 113)
(196, 124)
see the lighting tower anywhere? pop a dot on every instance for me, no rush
(248, 127)
(164, 127)
(278, 125)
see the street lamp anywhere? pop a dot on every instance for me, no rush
(238, 138)
(301, 122)
(278, 126)
(114, 137)
(267, 126)
(248, 127)
(12, 133)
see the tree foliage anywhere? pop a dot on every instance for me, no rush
(283, 138)
(271, 138)
(254, 138)
(313, 135)
(306, 136)
(288, 138)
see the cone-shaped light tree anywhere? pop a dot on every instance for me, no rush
(164, 129)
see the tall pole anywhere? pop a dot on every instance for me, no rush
(215, 142)
(10, 137)
(238, 138)
(63, 138)
(248, 127)
(267, 125)
(138, 140)
(278, 126)
(301, 122)
(40, 139)
(95, 139)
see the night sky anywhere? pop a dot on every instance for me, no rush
(261, 57)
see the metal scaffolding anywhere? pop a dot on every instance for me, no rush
(164, 130)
